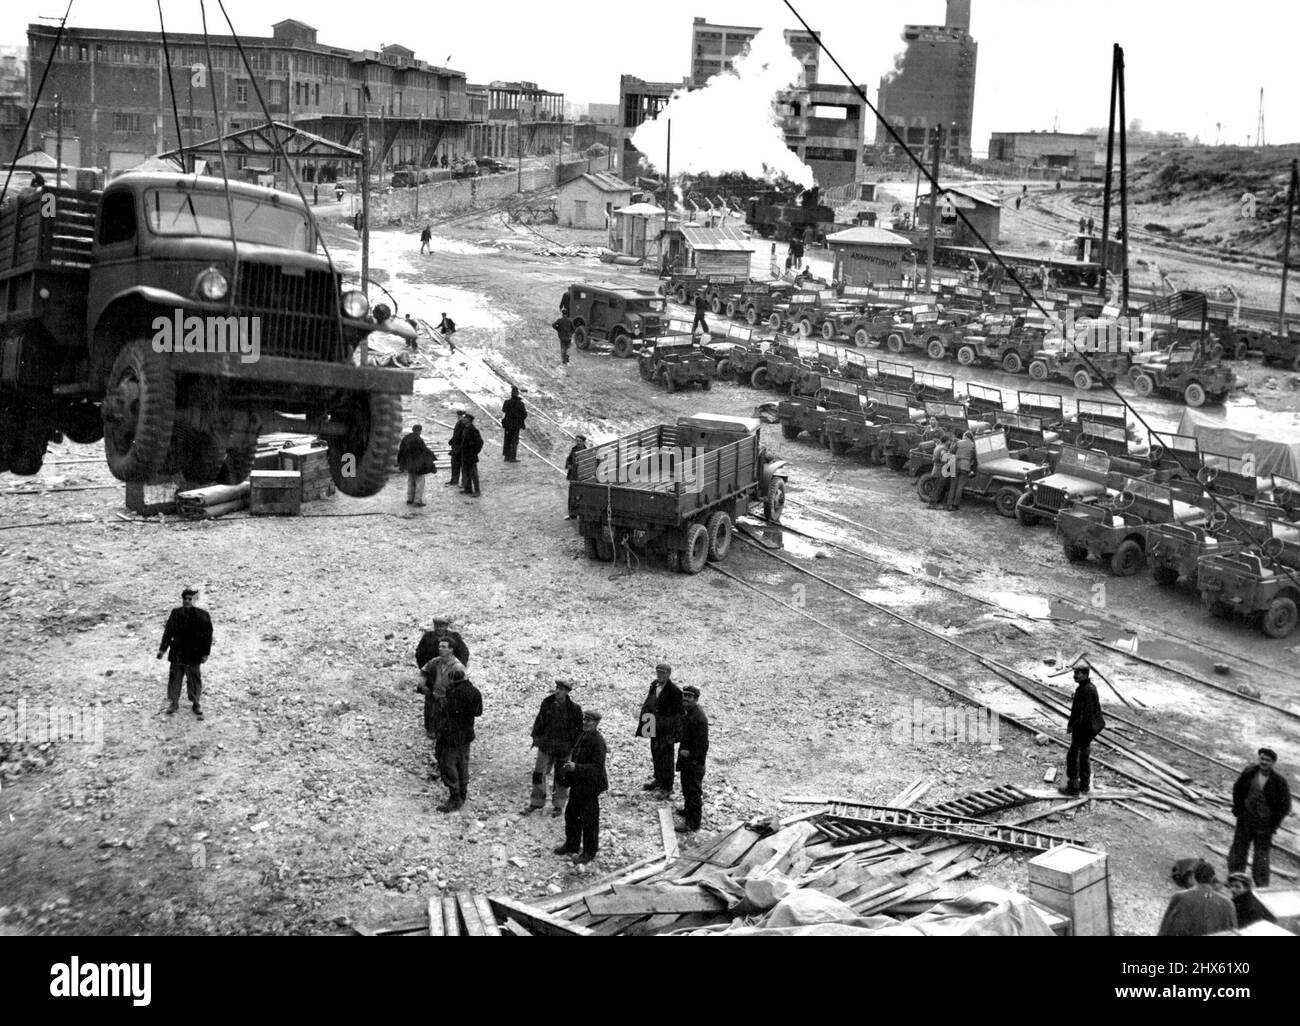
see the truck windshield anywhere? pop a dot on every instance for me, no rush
(645, 305)
(195, 213)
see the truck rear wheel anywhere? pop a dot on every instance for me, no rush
(927, 487)
(1038, 370)
(1279, 619)
(723, 370)
(828, 331)
(359, 460)
(1194, 394)
(715, 304)
(139, 412)
(82, 423)
(692, 558)
(1083, 381)
(774, 504)
(751, 316)
(679, 294)
(966, 356)
(31, 434)
(1127, 560)
(894, 343)
(774, 322)
(718, 528)
(1011, 363)
(1143, 384)
(862, 337)
(731, 309)
(934, 349)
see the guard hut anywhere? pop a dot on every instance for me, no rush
(716, 253)
(589, 200)
(635, 229)
(867, 256)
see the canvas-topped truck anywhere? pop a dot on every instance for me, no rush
(94, 286)
(675, 489)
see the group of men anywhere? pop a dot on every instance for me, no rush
(1203, 906)
(953, 464)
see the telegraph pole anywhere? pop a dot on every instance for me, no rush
(58, 140)
(365, 197)
(1286, 246)
(668, 192)
(1123, 181)
(934, 203)
(1110, 171)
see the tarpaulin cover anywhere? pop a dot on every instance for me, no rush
(1273, 436)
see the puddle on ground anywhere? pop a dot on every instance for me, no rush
(899, 595)
(1018, 602)
(1163, 650)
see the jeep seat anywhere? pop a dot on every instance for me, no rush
(1187, 513)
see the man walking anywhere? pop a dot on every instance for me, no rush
(426, 237)
(471, 446)
(1199, 911)
(457, 442)
(555, 732)
(448, 328)
(564, 329)
(417, 460)
(964, 453)
(584, 774)
(1085, 723)
(464, 703)
(1261, 799)
(661, 718)
(690, 758)
(700, 310)
(513, 415)
(187, 641)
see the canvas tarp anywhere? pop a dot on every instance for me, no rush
(1274, 437)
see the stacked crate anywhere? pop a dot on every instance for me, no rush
(312, 463)
(151, 499)
(275, 492)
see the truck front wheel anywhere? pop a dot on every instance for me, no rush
(359, 459)
(139, 412)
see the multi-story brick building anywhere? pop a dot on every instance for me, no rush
(932, 84)
(115, 94)
(13, 99)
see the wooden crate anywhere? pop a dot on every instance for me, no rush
(312, 462)
(1075, 882)
(275, 492)
(151, 499)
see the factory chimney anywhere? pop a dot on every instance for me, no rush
(958, 15)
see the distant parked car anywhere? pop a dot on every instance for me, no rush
(492, 166)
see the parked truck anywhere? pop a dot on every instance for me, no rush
(148, 316)
(675, 489)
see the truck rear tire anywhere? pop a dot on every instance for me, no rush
(723, 370)
(139, 412)
(934, 349)
(894, 343)
(680, 295)
(828, 331)
(1038, 370)
(774, 322)
(966, 356)
(1128, 559)
(31, 435)
(1194, 394)
(731, 309)
(359, 460)
(861, 337)
(774, 504)
(691, 560)
(82, 423)
(718, 528)
(1279, 619)
(715, 304)
(1083, 381)
(1143, 384)
(927, 488)
(751, 316)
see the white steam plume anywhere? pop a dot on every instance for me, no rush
(731, 125)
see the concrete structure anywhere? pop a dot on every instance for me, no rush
(639, 101)
(714, 48)
(522, 118)
(868, 256)
(114, 89)
(823, 124)
(933, 83)
(590, 199)
(1049, 149)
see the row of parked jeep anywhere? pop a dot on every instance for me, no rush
(1169, 505)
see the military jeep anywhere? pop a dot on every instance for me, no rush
(1080, 475)
(996, 475)
(1115, 530)
(675, 364)
(1265, 585)
(1174, 550)
(808, 414)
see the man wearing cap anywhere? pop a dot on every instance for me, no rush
(456, 442)
(187, 640)
(416, 460)
(661, 721)
(1085, 723)
(513, 415)
(428, 647)
(1261, 799)
(690, 758)
(471, 446)
(584, 774)
(437, 682)
(456, 733)
(1199, 911)
(564, 329)
(555, 731)
(1249, 908)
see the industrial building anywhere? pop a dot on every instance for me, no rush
(714, 49)
(116, 100)
(823, 124)
(1045, 149)
(13, 101)
(932, 83)
(522, 120)
(639, 101)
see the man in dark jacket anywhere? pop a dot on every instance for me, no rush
(471, 446)
(1249, 908)
(457, 442)
(700, 310)
(416, 460)
(437, 682)
(584, 774)
(1199, 911)
(428, 646)
(661, 722)
(579, 443)
(187, 641)
(555, 732)
(513, 416)
(448, 328)
(691, 757)
(564, 329)
(464, 703)
(963, 451)
(1086, 722)
(1261, 799)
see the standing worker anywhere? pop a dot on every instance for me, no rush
(513, 416)
(963, 452)
(187, 641)
(1261, 799)
(700, 309)
(471, 446)
(464, 704)
(426, 237)
(555, 733)
(448, 328)
(564, 329)
(584, 775)
(427, 647)
(1085, 723)
(661, 717)
(416, 460)
(457, 443)
(691, 758)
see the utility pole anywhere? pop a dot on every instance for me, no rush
(419, 158)
(58, 140)
(1259, 131)
(934, 204)
(1110, 171)
(519, 148)
(668, 192)
(365, 197)
(1286, 246)
(1123, 181)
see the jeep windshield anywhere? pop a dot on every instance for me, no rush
(173, 212)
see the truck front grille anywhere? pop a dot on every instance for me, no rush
(298, 311)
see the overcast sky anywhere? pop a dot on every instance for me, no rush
(1190, 63)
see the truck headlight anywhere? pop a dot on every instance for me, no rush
(355, 304)
(212, 285)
